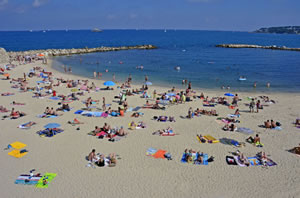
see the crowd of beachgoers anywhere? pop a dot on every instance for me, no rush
(145, 108)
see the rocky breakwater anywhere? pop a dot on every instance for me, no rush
(67, 52)
(4, 57)
(272, 47)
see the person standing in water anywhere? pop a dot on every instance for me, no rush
(114, 77)
(65, 68)
(146, 78)
(95, 74)
(254, 85)
(70, 69)
(268, 84)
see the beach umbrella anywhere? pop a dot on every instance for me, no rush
(41, 55)
(52, 125)
(148, 83)
(109, 83)
(228, 94)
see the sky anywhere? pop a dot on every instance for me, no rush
(232, 15)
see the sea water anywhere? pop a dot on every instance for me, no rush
(200, 62)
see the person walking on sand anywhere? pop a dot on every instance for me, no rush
(251, 106)
(103, 105)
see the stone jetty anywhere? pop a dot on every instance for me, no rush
(67, 52)
(273, 47)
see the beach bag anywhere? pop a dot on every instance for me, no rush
(278, 124)
(168, 156)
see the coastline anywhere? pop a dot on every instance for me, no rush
(138, 175)
(251, 90)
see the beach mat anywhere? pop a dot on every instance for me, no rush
(195, 156)
(49, 177)
(160, 154)
(18, 145)
(17, 154)
(27, 180)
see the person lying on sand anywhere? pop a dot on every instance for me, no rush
(295, 150)
(17, 103)
(75, 121)
(29, 124)
(3, 109)
(297, 123)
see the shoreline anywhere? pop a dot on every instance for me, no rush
(164, 86)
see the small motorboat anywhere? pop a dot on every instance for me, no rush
(242, 78)
(177, 68)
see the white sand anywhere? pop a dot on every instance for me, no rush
(138, 175)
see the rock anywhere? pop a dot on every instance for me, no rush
(4, 57)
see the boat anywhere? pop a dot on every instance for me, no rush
(96, 30)
(242, 78)
(165, 30)
(177, 68)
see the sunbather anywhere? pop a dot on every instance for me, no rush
(268, 124)
(296, 150)
(29, 124)
(17, 103)
(255, 140)
(92, 156)
(75, 121)
(121, 132)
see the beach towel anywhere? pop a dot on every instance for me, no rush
(194, 157)
(160, 154)
(208, 105)
(28, 180)
(48, 177)
(54, 98)
(208, 138)
(17, 153)
(245, 130)
(236, 158)
(17, 145)
(233, 116)
(254, 161)
(23, 126)
(46, 116)
(151, 151)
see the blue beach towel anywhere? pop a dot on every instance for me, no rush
(195, 156)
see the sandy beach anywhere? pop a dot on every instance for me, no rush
(139, 175)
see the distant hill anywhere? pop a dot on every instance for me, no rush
(280, 30)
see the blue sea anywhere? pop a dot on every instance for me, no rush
(205, 65)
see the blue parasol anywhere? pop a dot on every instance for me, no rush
(109, 83)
